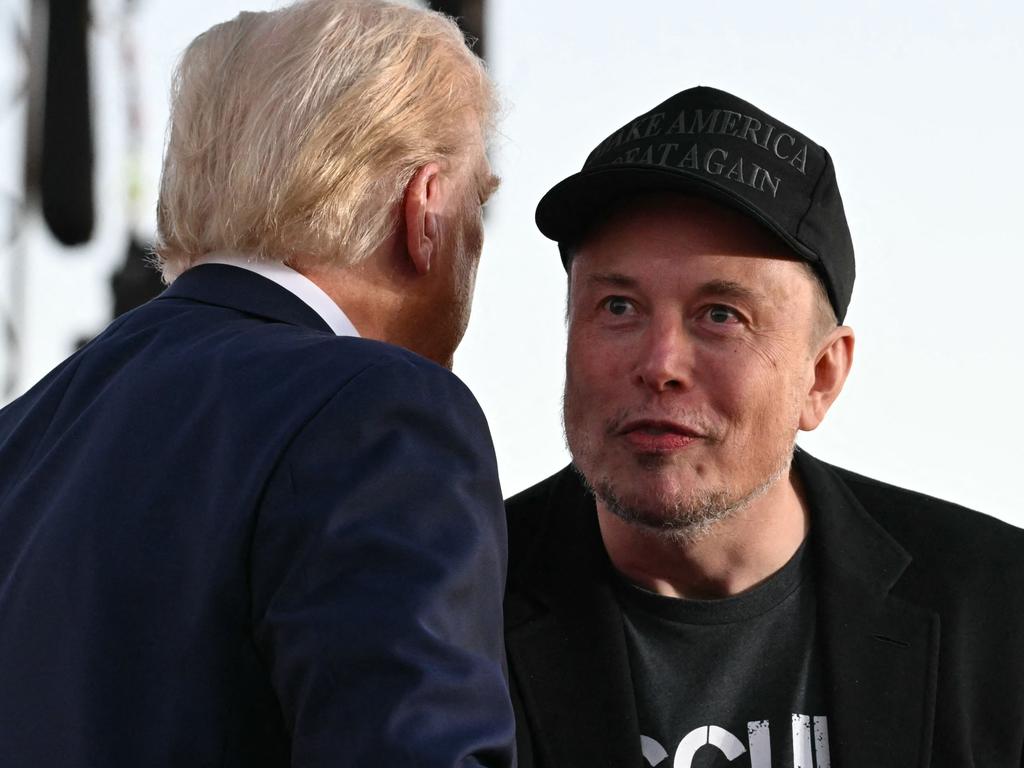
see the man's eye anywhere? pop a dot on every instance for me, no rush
(722, 315)
(619, 305)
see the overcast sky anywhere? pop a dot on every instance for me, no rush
(918, 103)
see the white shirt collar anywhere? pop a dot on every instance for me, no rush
(301, 286)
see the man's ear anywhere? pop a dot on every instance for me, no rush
(831, 367)
(422, 201)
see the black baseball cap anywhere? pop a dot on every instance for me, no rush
(709, 143)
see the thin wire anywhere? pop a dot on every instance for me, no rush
(133, 104)
(15, 247)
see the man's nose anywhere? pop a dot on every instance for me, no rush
(665, 358)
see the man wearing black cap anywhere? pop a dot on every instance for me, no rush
(694, 591)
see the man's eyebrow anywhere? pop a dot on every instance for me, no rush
(723, 288)
(730, 289)
(488, 185)
(614, 279)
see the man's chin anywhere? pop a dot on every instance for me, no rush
(674, 504)
(687, 515)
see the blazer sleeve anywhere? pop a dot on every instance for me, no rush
(378, 567)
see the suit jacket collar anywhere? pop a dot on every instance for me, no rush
(568, 652)
(245, 291)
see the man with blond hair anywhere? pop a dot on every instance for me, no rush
(257, 522)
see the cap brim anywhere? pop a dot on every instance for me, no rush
(571, 207)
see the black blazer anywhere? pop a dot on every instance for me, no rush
(229, 537)
(921, 605)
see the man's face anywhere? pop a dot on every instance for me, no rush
(689, 359)
(463, 238)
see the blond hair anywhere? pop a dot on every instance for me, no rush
(294, 133)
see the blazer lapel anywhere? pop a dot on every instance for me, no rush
(566, 644)
(240, 289)
(880, 651)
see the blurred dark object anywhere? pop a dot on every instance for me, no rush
(66, 161)
(137, 281)
(470, 15)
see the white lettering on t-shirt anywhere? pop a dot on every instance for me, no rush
(810, 744)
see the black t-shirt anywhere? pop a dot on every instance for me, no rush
(718, 679)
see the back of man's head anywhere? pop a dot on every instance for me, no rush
(294, 133)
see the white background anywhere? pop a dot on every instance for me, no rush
(919, 104)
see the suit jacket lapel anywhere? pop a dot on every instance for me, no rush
(566, 644)
(240, 289)
(880, 651)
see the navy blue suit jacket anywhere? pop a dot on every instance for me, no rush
(229, 537)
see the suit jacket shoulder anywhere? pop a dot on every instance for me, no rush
(950, 545)
(528, 510)
(916, 515)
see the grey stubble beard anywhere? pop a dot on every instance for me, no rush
(686, 520)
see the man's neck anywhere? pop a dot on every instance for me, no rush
(737, 554)
(384, 301)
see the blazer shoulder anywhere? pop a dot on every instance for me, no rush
(413, 378)
(339, 363)
(542, 511)
(375, 389)
(937, 532)
(235, 342)
(387, 358)
(529, 508)
(528, 501)
(357, 352)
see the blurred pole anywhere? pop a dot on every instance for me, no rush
(66, 154)
(39, 17)
(13, 315)
(136, 281)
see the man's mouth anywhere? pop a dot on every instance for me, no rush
(658, 435)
